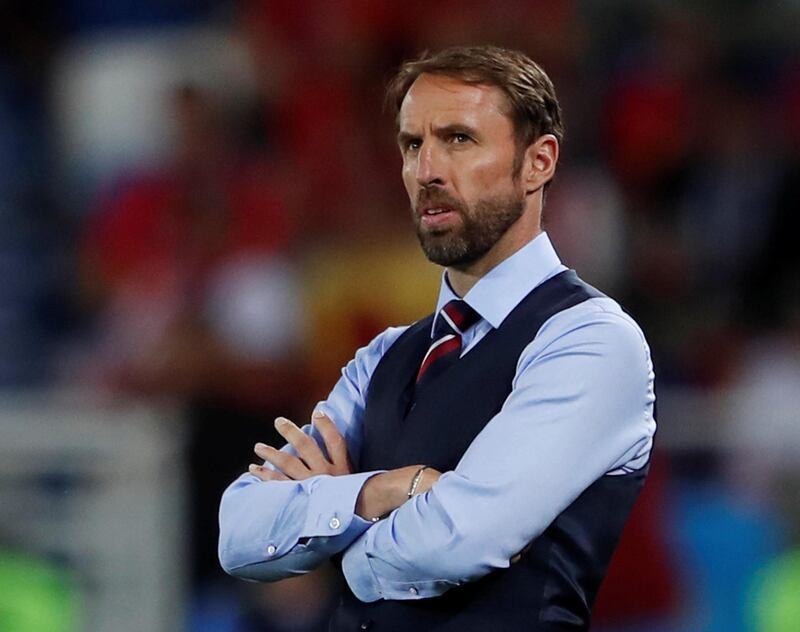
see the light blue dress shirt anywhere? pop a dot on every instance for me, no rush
(581, 407)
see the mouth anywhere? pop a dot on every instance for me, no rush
(437, 216)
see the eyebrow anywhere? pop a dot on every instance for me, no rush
(441, 132)
(456, 128)
(404, 137)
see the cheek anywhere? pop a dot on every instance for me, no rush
(409, 181)
(483, 175)
(496, 164)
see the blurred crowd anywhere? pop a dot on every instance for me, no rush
(201, 202)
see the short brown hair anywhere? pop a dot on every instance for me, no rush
(530, 93)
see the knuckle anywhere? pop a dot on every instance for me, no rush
(302, 440)
(337, 442)
(323, 420)
(278, 459)
(338, 439)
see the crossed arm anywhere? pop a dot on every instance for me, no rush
(381, 494)
(580, 408)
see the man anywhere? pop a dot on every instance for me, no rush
(498, 445)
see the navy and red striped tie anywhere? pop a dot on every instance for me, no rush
(453, 320)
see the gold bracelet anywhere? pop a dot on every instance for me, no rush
(415, 481)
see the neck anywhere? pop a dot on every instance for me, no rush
(463, 278)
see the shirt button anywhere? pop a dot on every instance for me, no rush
(271, 549)
(334, 523)
(413, 590)
(366, 625)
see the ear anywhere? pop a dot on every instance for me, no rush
(539, 164)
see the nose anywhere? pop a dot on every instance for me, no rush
(430, 166)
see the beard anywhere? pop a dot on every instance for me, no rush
(481, 228)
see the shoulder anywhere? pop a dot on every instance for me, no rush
(602, 315)
(597, 327)
(381, 343)
(367, 357)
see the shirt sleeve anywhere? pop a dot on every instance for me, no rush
(581, 407)
(275, 529)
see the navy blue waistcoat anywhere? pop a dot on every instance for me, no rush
(554, 585)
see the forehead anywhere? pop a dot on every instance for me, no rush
(441, 100)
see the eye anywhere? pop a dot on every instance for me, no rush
(460, 138)
(413, 144)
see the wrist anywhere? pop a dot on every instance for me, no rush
(381, 494)
(416, 481)
(385, 492)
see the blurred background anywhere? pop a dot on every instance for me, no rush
(201, 218)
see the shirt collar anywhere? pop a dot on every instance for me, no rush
(498, 292)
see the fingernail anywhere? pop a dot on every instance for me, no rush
(254, 468)
(317, 414)
(281, 421)
(261, 446)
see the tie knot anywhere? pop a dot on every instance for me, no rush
(456, 316)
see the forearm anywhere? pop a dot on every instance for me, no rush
(387, 491)
(426, 546)
(276, 529)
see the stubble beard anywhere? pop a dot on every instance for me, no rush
(482, 226)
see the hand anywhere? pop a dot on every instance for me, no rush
(386, 491)
(311, 460)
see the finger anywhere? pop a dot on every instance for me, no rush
(287, 463)
(307, 449)
(266, 474)
(334, 443)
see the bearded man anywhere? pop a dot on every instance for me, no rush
(474, 470)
